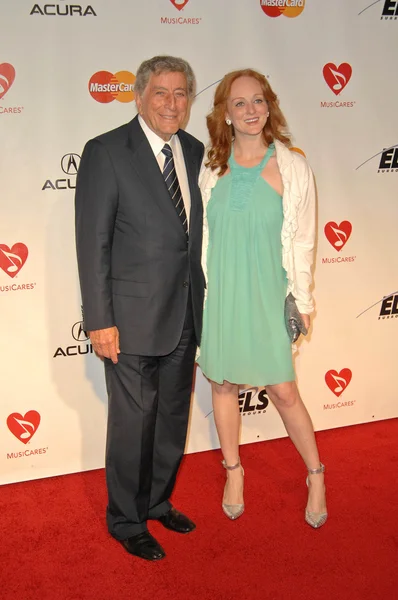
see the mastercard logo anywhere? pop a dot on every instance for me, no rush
(287, 8)
(105, 87)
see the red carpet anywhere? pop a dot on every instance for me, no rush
(54, 543)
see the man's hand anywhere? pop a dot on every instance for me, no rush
(306, 320)
(106, 342)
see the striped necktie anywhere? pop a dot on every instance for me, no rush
(173, 186)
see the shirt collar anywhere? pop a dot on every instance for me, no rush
(154, 140)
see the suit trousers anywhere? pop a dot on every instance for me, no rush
(149, 402)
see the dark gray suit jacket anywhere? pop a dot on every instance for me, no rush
(135, 263)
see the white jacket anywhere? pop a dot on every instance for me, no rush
(298, 229)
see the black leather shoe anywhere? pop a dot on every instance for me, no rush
(145, 546)
(176, 521)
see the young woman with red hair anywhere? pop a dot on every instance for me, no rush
(259, 232)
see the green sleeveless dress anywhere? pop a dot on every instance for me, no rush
(244, 338)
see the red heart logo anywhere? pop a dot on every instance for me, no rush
(337, 382)
(12, 260)
(179, 3)
(7, 76)
(337, 77)
(338, 235)
(24, 427)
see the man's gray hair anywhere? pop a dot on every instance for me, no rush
(164, 64)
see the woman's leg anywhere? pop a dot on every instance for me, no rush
(228, 420)
(287, 401)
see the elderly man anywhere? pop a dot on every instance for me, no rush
(139, 238)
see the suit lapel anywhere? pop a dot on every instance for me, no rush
(147, 168)
(190, 166)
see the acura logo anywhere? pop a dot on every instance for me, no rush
(70, 163)
(78, 332)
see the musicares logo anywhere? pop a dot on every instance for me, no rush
(13, 259)
(179, 4)
(287, 8)
(338, 235)
(105, 87)
(7, 76)
(181, 20)
(338, 382)
(24, 427)
(337, 77)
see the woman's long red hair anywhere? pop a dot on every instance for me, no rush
(221, 134)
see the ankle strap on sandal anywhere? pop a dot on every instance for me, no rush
(321, 469)
(232, 467)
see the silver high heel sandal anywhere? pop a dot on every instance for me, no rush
(314, 519)
(233, 511)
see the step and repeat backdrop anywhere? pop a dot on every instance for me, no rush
(333, 65)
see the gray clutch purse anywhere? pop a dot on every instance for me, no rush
(293, 320)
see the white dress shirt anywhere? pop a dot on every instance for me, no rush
(157, 144)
